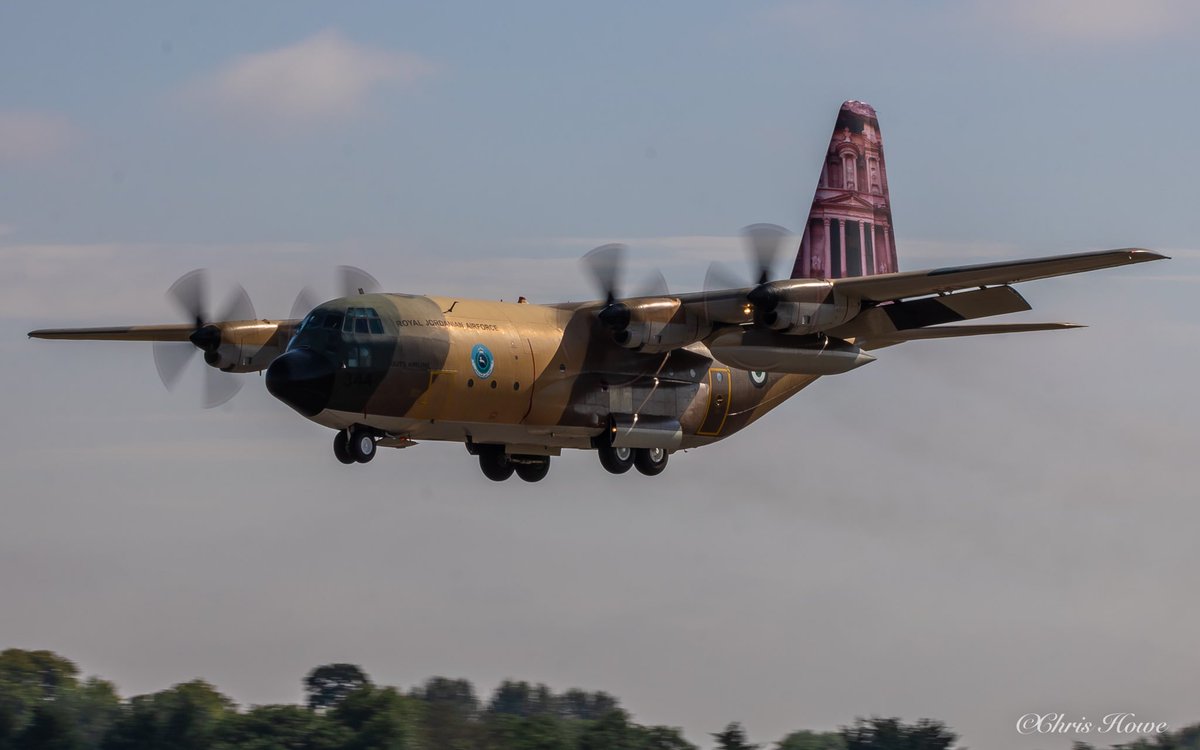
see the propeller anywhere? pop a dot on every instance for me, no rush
(189, 293)
(764, 242)
(350, 282)
(605, 265)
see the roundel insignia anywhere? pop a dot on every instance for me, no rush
(758, 378)
(482, 361)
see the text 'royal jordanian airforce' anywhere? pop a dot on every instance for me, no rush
(633, 378)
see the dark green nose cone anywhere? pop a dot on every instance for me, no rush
(302, 379)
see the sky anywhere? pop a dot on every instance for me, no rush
(966, 530)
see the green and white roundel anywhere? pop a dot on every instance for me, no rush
(758, 378)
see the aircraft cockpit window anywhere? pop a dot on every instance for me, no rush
(373, 321)
(333, 321)
(362, 320)
(310, 320)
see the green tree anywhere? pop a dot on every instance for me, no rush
(327, 685)
(184, 717)
(611, 730)
(51, 727)
(892, 734)
(29, 679)
(380, 719)
(662, 738)
(281, 728)
(96, 707)
(733, 737)
(580, 704)
(806, 740)
(506, 731)
(450, 718)
(521, 699)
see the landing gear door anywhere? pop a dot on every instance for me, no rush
(719, 395)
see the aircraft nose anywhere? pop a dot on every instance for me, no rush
(302, 379)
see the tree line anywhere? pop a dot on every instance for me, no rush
(45, 705)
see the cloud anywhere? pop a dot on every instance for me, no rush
(33, 136)
(1097, 20)
(324, 78)
(1057, 21)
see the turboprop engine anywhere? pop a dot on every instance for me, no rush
(652, 325)
(238, 346)
(800, 306)
(756, 349)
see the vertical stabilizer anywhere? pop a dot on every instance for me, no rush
(849, 228)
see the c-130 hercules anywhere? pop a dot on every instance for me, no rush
(631, 378)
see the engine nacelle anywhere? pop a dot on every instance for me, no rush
(802, 306)
(239, 346)
(652, 325)
(755, 349)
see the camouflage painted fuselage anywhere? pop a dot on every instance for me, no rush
(552, 376)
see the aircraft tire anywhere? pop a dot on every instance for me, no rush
(341, 447)
(362, 446)
(534, 472)
(494, 463)
(650, 461)
(616, 460)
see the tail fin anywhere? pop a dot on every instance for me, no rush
(849, 228)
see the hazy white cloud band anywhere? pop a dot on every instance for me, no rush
(326, 77)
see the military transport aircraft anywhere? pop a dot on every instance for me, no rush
(632, 378)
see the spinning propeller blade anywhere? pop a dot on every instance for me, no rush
(352, 281)
(190, 294)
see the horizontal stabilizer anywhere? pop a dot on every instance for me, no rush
(894, 286)
(946, 332)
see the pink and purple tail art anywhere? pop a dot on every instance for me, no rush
(849, 228)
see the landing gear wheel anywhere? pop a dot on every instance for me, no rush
(616, 460)
(650, 461)
(534, 472)
(362, 446)
(341, 447)
(494, 463)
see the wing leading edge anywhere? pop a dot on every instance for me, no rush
(896, 286)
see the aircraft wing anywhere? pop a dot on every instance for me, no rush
(895, 286)
(256, 329)
(945, 332)
(179, 332)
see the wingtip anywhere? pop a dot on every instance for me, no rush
(1141, 254)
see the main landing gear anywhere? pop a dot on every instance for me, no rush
(354, 445)
(497, 465)
(649, 461)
